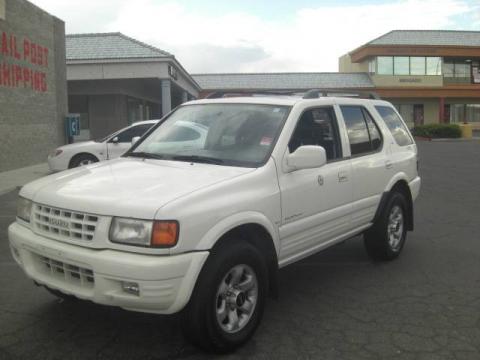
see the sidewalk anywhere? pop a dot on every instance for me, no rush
(9, 180)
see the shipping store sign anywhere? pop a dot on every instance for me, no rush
(23, 63)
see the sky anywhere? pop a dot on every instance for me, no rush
(210, 36)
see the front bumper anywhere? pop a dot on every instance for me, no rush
(165, 282)
(57, 163)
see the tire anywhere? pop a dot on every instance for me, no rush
(82, 160)
(209, 320)
(385, 240)
(60, 295)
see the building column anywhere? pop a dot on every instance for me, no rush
(441, 111)
(166, 97)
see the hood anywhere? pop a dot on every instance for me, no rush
(126, 187)
(77, 145)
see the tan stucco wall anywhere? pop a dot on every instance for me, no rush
(407, 80)
(430, 107)
(345, 65)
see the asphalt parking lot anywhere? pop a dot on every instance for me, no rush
(334, 305)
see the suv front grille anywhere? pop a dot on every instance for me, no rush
(64, 224)
(71, 274)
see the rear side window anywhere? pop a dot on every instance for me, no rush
(395, 125)
(363, 133)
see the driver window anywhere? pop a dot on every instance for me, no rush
(318, 127)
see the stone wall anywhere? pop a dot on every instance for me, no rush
(33, 91)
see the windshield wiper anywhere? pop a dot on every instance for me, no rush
(145, 155)
(197, 158)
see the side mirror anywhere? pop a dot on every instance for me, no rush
(307, 157)
(115, 140)
(135, 139)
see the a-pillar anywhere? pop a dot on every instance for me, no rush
(166, 97)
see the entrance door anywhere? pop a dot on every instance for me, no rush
(418, 114)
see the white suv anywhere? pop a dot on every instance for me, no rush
(202, 227)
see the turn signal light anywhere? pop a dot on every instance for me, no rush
(164, 233)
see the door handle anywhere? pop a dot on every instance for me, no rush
(342, 176)
(388, 164)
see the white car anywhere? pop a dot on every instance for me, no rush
(203, 227)
(88, 152)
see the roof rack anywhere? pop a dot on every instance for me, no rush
(316, 93)
(221, 94)
(309, 94)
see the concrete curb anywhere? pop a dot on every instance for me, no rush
(422, 138)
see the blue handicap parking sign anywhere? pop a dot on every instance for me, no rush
(73, 124)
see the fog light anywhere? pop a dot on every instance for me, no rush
(131, 288)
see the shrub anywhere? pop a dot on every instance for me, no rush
(438, 131)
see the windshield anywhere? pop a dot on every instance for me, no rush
(224, 134)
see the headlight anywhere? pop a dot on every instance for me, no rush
(56, 152)
(24, 208)
(143, 232)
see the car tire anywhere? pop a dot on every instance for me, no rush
(228, 300)
(82, 160)
(61, 295)
(385, 240)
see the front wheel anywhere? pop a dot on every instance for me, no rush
(82, 160)
(385, 240)
(228, 300)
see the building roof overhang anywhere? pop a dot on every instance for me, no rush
(164, 59)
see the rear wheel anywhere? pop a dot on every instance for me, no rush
(228, 300)
(385, 240)
(82, 160)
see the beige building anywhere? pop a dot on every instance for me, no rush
(431, 76)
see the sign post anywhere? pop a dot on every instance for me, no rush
(72, 126)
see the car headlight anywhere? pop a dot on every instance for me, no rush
(56, 152)
(24, 209)
(144, 232)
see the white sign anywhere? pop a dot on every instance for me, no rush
(2, 9)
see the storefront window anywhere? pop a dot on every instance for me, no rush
(401, 65)
(462, 70)
(457, 71)
(434, 66)
(448, 69)
(135, 110)
(473, 112)
(476, 72)
(417, 65)
(407, 65)
(460, 113)
(385, 65)
(371, 66)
